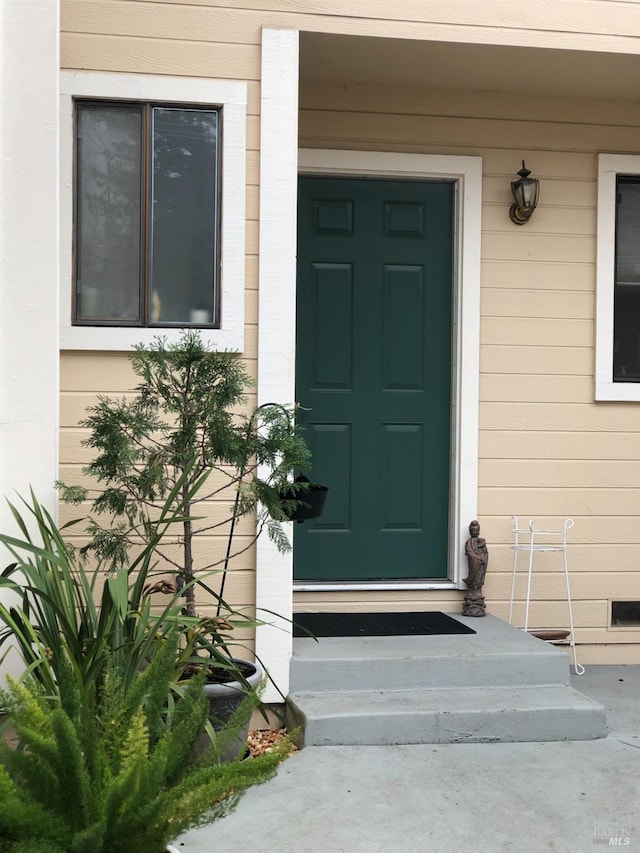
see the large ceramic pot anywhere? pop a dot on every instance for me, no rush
(225, 697)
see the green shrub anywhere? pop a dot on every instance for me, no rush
(119, 778)
(105, 758)
(59, 623)
(183, 422)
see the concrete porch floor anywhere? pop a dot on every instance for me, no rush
(566, 797)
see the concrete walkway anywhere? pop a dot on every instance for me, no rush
(567, 797)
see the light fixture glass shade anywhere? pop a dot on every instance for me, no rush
(526, 192)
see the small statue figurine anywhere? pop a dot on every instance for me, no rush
(477, 556)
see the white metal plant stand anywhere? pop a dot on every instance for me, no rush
(534, 541)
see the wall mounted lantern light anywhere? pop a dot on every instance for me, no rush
(526, 192)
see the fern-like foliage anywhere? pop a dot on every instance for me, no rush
(185, 421)
(123, 780)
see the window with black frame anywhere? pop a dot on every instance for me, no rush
(626, 354)
(147, 215)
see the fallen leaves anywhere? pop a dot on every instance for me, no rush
(263, 740)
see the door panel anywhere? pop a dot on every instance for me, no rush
(373, 375)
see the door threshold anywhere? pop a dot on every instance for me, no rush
(368, 586)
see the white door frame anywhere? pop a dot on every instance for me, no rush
(280, 164)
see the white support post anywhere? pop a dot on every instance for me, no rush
(277, 309)
(29, 349)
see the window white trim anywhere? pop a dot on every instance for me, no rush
(609, 167)
(232, 97)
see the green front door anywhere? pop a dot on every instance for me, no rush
(373, 375)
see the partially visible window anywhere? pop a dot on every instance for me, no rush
(618, 278)
(147, 215)
(626, 311)
(625, 613)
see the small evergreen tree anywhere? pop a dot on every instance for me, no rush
(185, 422)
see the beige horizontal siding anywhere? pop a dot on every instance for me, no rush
(546, 449)
(540, 331)
(482, 105)
(107, 373)
(165, 21)
(588, 581)
(598, 651)
(592, 533)
(214, 513)
(80, 372)
(527, 360)
(535, 388)
(562, 474)
(498, 444)
(554, 614)
(575, 165)
(581, 221)
(571, 417)
(239, 587)
(559, 502)
(603, 25)
(556, 304)
(135, 54)
(578, 16)
(540, 276)
(457, 131)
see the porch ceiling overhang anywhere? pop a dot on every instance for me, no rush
(365, 61)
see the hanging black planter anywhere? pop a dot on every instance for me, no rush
(311, 500)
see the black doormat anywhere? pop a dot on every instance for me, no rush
(376, 624)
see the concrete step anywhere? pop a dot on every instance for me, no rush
(498, 655)
(455, 715)
(499, 684)
(401, 664)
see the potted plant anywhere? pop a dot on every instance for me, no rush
(185, 426)
(106, 758)
(308, 499)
